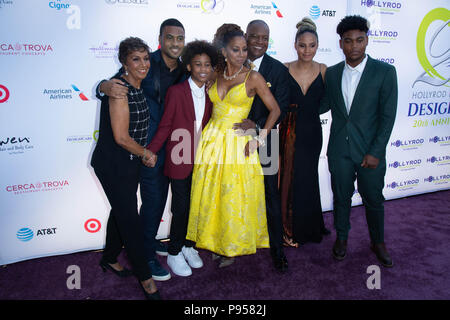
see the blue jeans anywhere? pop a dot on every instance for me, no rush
(154, 188)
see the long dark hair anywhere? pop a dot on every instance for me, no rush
(223, 36)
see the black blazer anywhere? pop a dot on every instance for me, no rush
(277, 77)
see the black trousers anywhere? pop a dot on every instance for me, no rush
(124, 226)
(181, 197)
(273, 211)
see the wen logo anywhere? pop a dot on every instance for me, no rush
(277, 11)
(81, 94)
(431, 75)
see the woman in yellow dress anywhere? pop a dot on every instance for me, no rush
(227, 212)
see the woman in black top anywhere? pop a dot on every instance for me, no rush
(117, 160)
(301, 136)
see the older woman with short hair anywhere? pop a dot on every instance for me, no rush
(117, 160)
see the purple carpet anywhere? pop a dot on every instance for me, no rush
(417, 237)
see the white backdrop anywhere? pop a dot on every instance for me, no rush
(53, 53)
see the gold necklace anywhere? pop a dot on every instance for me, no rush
(232, 76)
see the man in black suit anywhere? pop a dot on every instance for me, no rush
(277, 77)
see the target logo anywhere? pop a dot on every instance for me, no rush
(4, 93)
(92, 225)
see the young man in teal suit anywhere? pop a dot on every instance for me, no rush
(362, 95)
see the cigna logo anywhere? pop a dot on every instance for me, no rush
(4, 93)
(439, 56)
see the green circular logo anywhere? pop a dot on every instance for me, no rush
(436, 79)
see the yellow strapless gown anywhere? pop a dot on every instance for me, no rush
(228, 211)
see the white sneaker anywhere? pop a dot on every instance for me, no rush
(192, 257)
(179, 265)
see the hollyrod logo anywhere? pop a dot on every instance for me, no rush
(40, 186)
(4, 93)
(408, 144)
(403, 185)
(443, 141)
(382, 36)
(406, 164)
(442, 179)
(439, 160)
(382, 7)
(8, 49)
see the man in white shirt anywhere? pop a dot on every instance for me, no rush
(362, 95)
(277, 77)
(187, 110)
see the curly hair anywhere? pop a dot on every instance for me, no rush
(355, 22)
(130, 45)
(223, 36)
(198, 47)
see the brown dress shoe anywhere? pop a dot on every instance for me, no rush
(382, 255)
(340, 249)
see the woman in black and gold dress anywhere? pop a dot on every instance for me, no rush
(301, 143)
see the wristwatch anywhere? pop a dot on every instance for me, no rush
(257, 129)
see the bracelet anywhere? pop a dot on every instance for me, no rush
(257, 129)
(261, 141)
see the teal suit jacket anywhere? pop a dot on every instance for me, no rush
(366, 130)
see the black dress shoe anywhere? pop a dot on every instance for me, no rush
(122, 273)
(340, 249)
(151, 296)
(279, 260)
(382, 255)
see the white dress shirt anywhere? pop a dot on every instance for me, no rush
(198, 96)
(257, 63)
(350, 81)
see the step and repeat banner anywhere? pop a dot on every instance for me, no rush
(54, 53)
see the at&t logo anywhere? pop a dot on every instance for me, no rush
(26, 234)
(315, 12)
